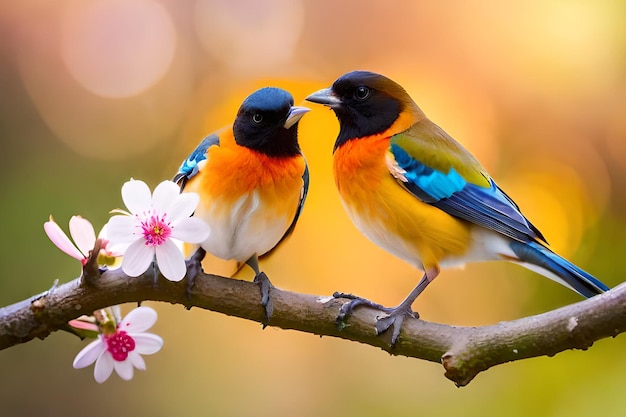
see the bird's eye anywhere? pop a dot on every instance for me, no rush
(361, 93)
(257, 117)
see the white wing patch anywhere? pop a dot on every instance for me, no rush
(396, 170)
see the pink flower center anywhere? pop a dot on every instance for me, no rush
(119, 344)
(156, 229)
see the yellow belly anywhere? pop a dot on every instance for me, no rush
(388, 214)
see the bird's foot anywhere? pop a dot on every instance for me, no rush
(155, 274)
(393, 319)
(265, 286)
(355, 301)
(194, 267)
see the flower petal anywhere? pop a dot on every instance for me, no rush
(104, 233)
(171, 261)
(124, 369)
(182, 206)
(121, 230)
(104, 367)
(116, 251)
(83, 234)
(109, 249)
(60, 239)
(89, 354)
(191, 230)
(136, 360)
(83, 325)
(138, 320)
(164, 194)
(137, 258)
(136, 196)
(147, 343)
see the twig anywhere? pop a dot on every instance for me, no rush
(463, 351)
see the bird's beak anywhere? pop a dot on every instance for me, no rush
(295, 114)
(326, 97)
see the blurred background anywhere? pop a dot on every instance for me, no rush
(95, 92)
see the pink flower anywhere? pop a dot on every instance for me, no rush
(155, 226)
(120, 343)
(84, 237)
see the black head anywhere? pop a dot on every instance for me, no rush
(267, 122)
(365, 103)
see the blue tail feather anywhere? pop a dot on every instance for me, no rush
(580, 281)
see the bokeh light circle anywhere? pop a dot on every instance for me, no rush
(117, 48)
(249, 35)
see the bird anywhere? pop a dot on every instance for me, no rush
(416, 192)
(252, 179)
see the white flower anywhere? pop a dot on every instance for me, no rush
(152, 224)
(84, 237)
(120, 345)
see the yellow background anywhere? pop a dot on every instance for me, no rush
(95, 92)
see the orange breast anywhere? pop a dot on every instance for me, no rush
(232, 171)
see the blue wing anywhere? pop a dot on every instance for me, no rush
(190, 167)
(487, 206)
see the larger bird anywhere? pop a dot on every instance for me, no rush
(252, 180)
(416, 192)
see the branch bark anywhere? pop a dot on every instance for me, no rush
(463, 351)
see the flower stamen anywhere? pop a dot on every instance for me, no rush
(119, 345)
(156, 229)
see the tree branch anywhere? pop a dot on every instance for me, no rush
(463, 351)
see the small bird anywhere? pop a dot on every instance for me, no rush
(417, 193)
(252, 180)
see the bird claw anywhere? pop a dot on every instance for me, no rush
(394, 318)
(262, 280)
(347, 309)
(155, 274)
(394, 321)
(194, 267)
